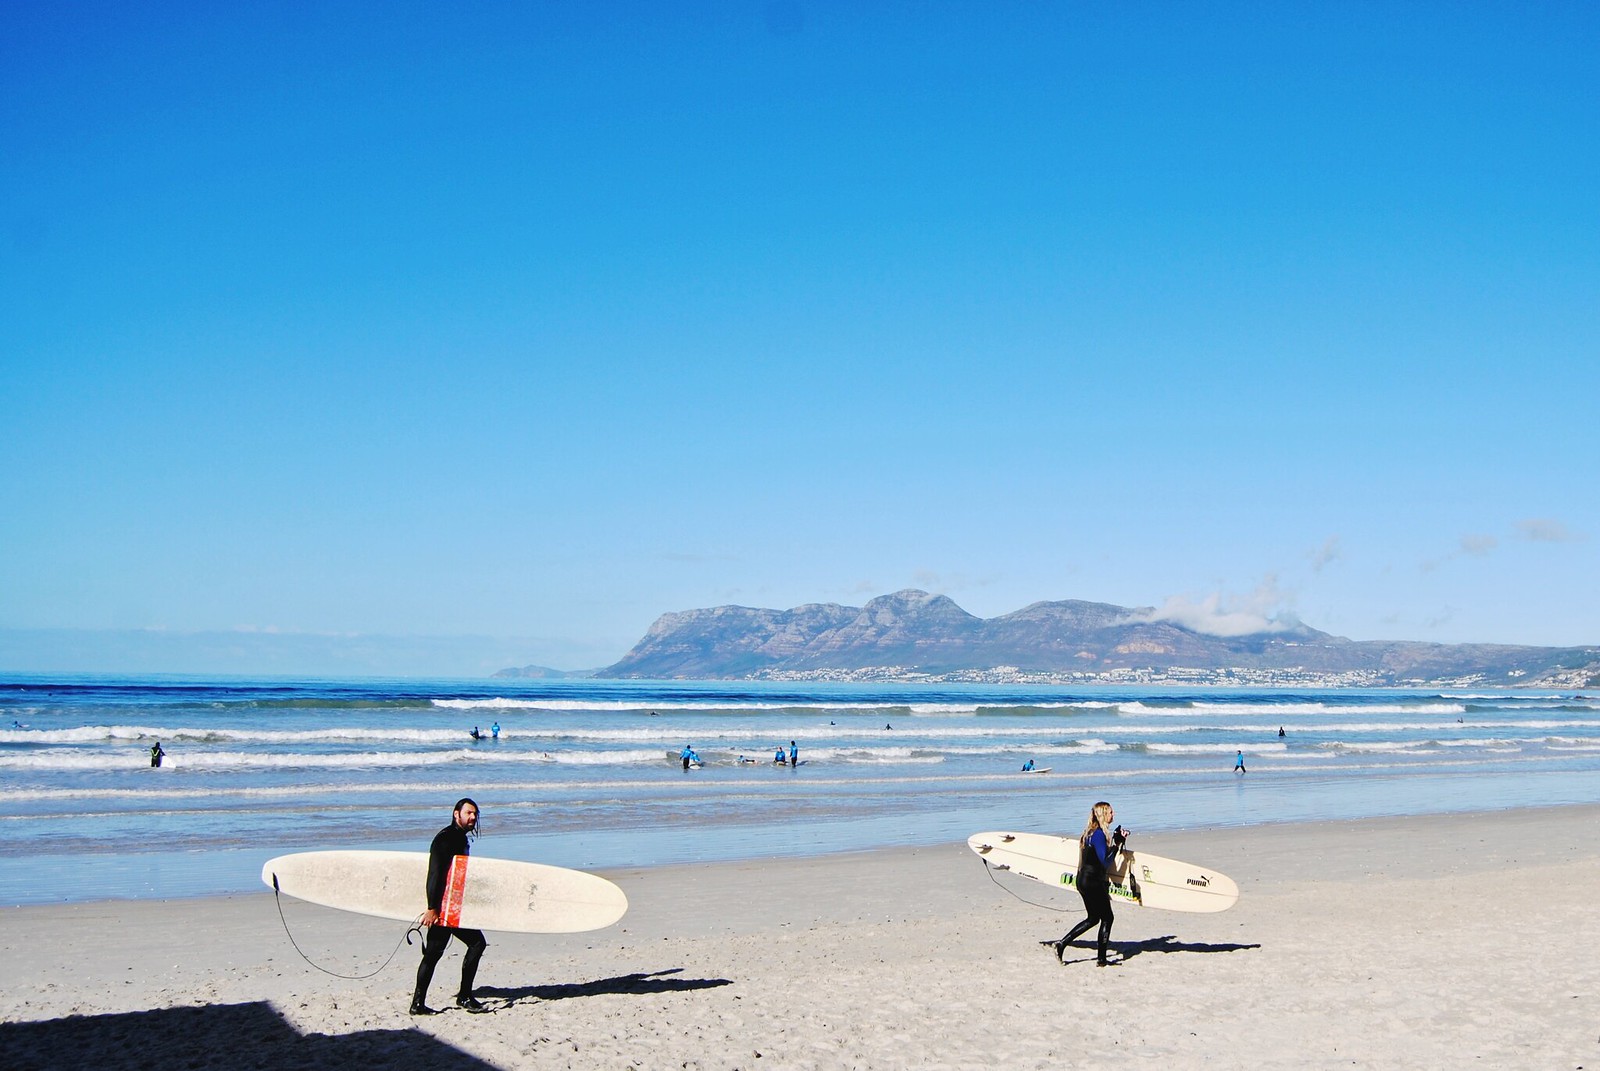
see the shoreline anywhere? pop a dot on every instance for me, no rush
(1374, 942)
(554, 848)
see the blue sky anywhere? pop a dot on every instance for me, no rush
(532, 322)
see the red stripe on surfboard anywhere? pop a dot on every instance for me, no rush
(455, 889)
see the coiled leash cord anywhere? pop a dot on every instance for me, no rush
(415, 927)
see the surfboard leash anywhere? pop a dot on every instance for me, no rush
(415, 927)
(989, 870)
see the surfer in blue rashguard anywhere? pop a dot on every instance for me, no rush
(1098, 848)
(794, 755)
(448, 843)
(688, 756)
(494, 730)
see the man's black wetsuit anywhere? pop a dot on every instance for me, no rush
(450, 842)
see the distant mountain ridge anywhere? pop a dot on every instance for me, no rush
(913, 634)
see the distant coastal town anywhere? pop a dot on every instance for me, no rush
(1174, 676)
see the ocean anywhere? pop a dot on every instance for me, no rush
(585, 773)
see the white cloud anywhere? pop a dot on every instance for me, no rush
(1546, 530)
(1263, 610)
(1330, 552)
(1478, 545)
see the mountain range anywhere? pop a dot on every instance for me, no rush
(917, 636)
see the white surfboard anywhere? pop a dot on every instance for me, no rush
(480, 894)
(1038, 769)
(1136, 877)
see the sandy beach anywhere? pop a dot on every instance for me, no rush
(1418, 942)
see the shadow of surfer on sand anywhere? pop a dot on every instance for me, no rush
(1168, 943)
(643, 984)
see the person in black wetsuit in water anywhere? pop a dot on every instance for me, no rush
(1096, 849)
(450, 842)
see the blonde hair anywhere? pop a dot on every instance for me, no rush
(1099, 815)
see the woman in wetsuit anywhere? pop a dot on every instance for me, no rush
(1097, 848)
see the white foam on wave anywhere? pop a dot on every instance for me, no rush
(1089, 746)
(1220, 748)
(69, 759)
(676, 705)
(94, 734)
(1356, 709)
(1392, 747)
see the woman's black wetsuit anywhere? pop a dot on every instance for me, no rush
(1094, 886)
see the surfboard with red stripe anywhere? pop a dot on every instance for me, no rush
(488, 894)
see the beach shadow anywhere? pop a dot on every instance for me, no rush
(223, 1037)
(1169, 943)
(623, 984)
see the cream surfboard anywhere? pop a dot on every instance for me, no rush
(1136, 877)
(480, 893)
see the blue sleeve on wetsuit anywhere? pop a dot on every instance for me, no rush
(1097, 841)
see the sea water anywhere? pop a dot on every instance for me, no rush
(584, 773)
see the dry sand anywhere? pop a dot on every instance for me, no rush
(1440, 942)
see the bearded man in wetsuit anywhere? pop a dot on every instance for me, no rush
(450, 842)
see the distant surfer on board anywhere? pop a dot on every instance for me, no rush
(1097, 848)
(1028, 767)
(450, 842)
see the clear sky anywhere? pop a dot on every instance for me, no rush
(534, 321)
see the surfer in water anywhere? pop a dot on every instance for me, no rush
(1238, 763)
(450, 842)
(794, 755)
(1097, 849)
(156, 755)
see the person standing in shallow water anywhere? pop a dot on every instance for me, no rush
(1097, 849)
(156, 755)
(448, 843)
(1238, 763)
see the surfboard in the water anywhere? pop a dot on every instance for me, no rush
(1136, 877)
(480, 893)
